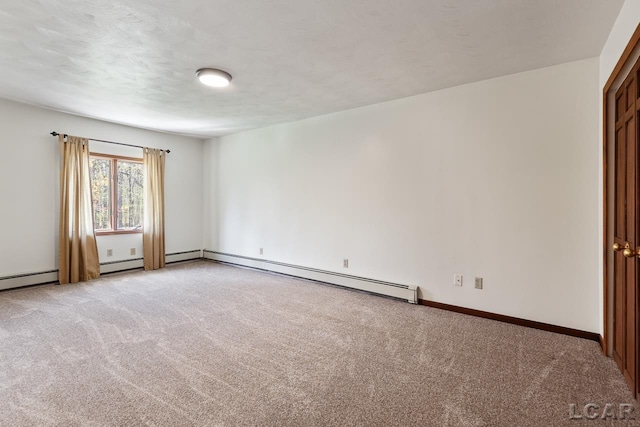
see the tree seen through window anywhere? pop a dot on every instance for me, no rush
(117, 192)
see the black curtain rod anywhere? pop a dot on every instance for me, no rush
(54, 133)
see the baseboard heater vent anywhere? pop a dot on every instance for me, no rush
(405, 292)
(134, 263)
(28, 279)
(51, 276)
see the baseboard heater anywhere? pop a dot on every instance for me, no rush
(133, 263)
(405, 292)
(51, 276)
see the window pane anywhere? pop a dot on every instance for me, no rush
(101, 193)
(130, 195)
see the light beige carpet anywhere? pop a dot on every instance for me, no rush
(204, 344)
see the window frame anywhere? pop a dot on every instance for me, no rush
(113, 182)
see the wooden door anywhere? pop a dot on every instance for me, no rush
(626, 242)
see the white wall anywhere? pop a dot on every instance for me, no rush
(619, 37)
(621, 33)
(496, 179)
(29, 182)
(210, 194)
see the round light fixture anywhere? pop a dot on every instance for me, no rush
(213, 77)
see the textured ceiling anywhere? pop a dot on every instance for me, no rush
(134, 61)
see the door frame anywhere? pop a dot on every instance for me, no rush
(621, 66)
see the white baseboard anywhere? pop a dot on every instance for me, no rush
(406, 292)
(125, 264)
(30, 279)
(184, 256)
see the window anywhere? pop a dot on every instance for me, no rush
(117, 193)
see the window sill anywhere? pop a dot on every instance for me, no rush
(114, 232)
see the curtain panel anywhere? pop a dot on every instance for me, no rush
(78, 251)
(153, 236)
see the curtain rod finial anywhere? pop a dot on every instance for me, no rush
(54, 133)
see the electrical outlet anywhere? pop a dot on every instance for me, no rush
(109, 252)
(261, 251)
(133, 251)
(478, 282)
(345, 263)
(457, 280)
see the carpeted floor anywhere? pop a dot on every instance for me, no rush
(205, 344)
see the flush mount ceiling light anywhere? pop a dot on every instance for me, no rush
(213, 77)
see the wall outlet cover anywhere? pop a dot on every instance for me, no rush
(345, 263)
(457, 280)
(478, 282)
(133, 251)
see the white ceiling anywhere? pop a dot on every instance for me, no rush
(134, 61)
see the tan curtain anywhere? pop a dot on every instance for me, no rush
(153, 241)
(78, 251)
